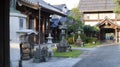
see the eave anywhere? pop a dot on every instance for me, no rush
(37, 6)
(30, 5)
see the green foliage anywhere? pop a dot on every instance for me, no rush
(117, 9)
(88, 45)
(73, 54)
(90, 30)
(83, 37)
(73, 27)
(117, 6)
(75, 17)
(70, 40)
(90, 39)
(91, 45)
(75, 14)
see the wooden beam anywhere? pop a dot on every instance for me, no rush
(30, 5)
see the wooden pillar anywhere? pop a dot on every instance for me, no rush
(99, 35)
(49, 25)
(39, 30)
(35, 23)
(43, 30)
(104, 35)
(28, 22)
(115, 35)
(119, 36)
(35, 38)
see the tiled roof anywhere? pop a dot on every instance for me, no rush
(96, 5)
(48, 6)
(43, 4)
(60, 6)
(54, 22)
(31, 1)
(108, 21)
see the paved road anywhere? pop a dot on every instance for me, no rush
(105, 56)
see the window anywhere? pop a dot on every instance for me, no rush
(31, 24)
(87, 17)
(21, 23)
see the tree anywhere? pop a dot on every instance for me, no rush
(75, 14)
(90, 30)
(75, 17)
(117, 6)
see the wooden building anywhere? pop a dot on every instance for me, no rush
(100, 13)
(38, 16)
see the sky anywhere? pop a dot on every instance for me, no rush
(69, 3)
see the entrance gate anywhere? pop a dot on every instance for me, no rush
(109, 30)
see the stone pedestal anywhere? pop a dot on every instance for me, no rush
(79, 42)
(40, 54)
(62, 46)
(37, 55)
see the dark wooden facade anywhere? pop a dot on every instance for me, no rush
(38, 18)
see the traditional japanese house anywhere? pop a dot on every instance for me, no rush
(100, 13)
(38, 16)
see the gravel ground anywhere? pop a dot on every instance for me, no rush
(104, 56)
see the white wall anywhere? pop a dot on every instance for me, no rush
(91, 16)
(101, 16)
(109, 15)
(118, 22)
(14, 26)
(95, 17)
(14, 37)
(91, 23)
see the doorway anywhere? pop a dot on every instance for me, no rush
(107, 34)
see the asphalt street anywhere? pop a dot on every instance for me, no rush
(105, 56)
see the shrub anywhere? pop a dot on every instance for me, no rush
(90, 39)
(70, 40)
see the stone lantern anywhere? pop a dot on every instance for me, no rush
(79, 41)
(25, 44)
(49, 45)
(49, 38)
(63, 45)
